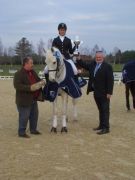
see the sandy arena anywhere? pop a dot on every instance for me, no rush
(79, 155)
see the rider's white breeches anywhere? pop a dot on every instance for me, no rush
(73, 66)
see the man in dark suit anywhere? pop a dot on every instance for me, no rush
(101, 82)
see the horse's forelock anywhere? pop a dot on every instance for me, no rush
(49, 56)
(53, 53)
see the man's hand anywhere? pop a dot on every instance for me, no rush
(108, 96)
(37, 85)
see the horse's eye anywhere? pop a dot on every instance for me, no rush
(54, 62)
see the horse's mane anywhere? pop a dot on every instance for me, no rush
(54, 49)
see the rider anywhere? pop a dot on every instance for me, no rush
(64, 44)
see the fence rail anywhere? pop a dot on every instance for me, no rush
(117, 77)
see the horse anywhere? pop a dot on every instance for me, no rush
(61, 78)
(128, 78)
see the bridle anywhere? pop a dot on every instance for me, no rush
(56, 54)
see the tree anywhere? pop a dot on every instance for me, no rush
(94, 50)
(1, 48)
(118, 56)
(41, 47)
(11, 53)
(85, 50)
(5, 53)
(116, 52)
(103, 50)
(49, 44)
(128, 56)
(23, 48)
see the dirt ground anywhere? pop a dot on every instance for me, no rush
(79, 155)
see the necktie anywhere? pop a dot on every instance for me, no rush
(96, 68)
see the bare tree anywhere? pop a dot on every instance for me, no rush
(94, 50)
(49, 44)
(5, 53)
(116, 51)
(11, 53)
(85, 50)
(41, 47)
(1, 48)
(104, 51)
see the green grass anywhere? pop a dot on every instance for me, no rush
(117, 67)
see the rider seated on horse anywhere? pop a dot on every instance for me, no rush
(64, 44)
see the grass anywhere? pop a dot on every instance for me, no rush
(117, 67)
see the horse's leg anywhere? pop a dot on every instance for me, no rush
(74, 102)
(127, 96)
(66, 107)
(132, 89)
(54, 123)
(64, 111)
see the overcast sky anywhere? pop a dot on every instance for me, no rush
(108, 23)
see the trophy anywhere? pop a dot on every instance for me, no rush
(77, 42)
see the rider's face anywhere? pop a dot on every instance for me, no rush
(62, 32)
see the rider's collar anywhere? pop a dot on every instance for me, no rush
(61, 38)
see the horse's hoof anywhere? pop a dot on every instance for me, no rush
(53, 129)
(64, 129)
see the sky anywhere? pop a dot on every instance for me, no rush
(107, 23)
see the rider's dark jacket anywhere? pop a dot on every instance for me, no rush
(65, 47)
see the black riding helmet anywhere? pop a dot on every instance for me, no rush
(62, 26)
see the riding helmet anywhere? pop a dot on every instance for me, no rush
(62, 26)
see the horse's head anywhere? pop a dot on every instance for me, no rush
(53, 59)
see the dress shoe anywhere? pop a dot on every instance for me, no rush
(36, 132)
(24, 135)
(97, 128)
(103, 131)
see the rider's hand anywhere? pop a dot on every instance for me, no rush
(79, 71)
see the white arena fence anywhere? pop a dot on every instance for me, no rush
(117, 77)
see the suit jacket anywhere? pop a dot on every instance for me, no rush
(65, 47)
(24, 95)
(102, 83)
